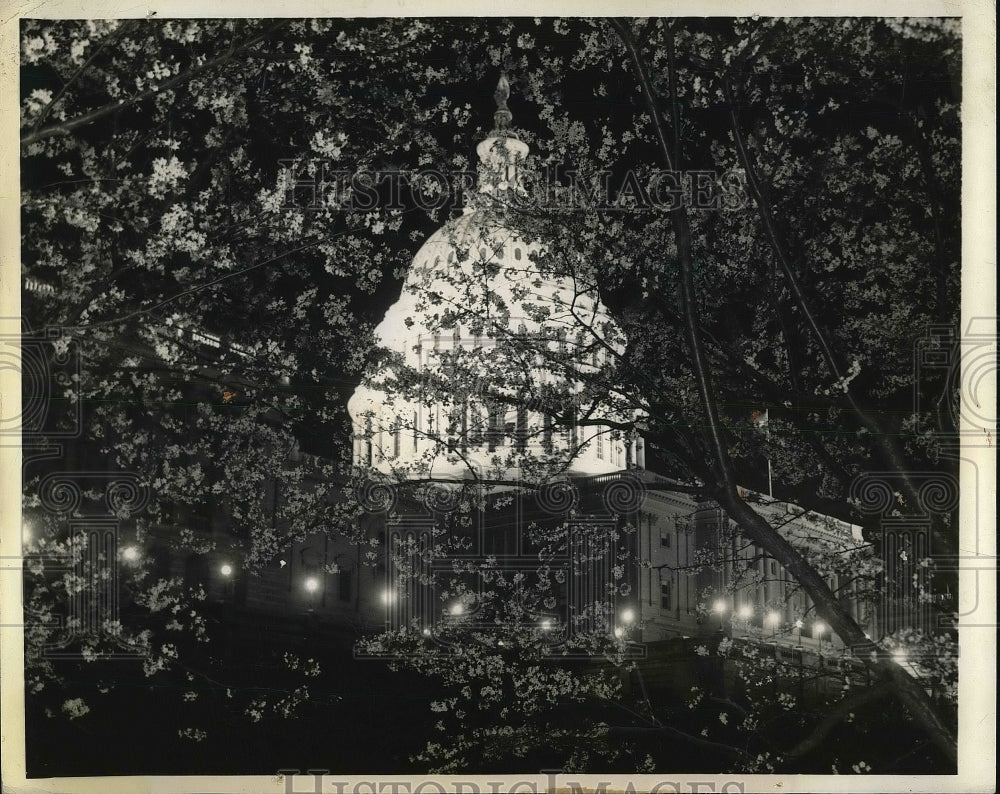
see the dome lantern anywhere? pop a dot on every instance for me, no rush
(502, 153)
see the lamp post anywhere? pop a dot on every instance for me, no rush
(798, 651)
(311, 586)
(819, 627)
(719, 608)
(745, 613)
(773, 619)
(227, 574)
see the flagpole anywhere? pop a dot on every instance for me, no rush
(767, 431)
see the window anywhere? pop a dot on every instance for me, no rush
(517, 253)
(774, 568)
(395, 441)
(494, 429)
(522, 428)
(458, 425)
(600, 445)
(369, 452)
(665, 538)
(345, 585)
(416, 427)
(666, 595)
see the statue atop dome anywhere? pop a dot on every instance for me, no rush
(502, 153)
(502, 117)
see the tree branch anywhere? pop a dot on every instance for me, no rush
(836, 714)
(66, 127)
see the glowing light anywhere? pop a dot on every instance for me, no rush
(899, 655)
(798, 624)
(628, 616)
(746, 612)
(387, 596)
(618, 631)
(719, 606)
(457, 608)
(130, 554)
(546, 624)
(773, 618)
(819, 627)
(226, 569)
(427, 632)
(312, 584)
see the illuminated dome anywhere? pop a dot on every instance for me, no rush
(484, 352)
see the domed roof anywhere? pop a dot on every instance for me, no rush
(475, 273)
(486, 322)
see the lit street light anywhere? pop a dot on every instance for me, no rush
(130, 554)
(746, 612)
(312, 584)
(719, 608)
(773, 619)
(226, 569)
(818, 628)
(628, 616)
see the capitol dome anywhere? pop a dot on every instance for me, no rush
(486, 353)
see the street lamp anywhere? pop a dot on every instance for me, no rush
(773, 619)
(798, 633)
(226, 569)
(818, 628)
(387, 596)
(719, 608)
(312, 584)
(457, 608)
(746, 612)
(546, 624)
(628, 616)
(130, 554)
